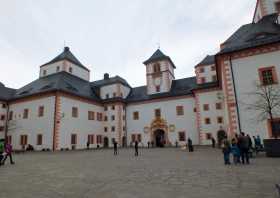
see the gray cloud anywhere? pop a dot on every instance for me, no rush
(113, 36)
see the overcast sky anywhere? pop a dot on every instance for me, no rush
(113, 36)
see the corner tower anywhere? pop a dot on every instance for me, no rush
(159, 73)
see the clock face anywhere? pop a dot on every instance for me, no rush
(157, 81)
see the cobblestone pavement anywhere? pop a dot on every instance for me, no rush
(155, 173)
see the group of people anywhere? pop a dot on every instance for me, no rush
(136, 146)
(5, 152)
(240, 147)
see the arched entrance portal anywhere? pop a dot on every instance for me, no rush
(106, 142)
(159, 138)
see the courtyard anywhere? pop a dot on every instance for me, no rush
(167, 172)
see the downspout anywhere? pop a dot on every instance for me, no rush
(6, 122)
(125, 122)
(235, 95)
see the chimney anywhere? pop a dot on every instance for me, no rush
(66, 49)
(106, 76)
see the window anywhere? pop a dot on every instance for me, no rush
(214, 78)
(9, 139)
(112, 129)
(206, 107)
(99, 139)
(207, 121)
(99, 116)
(113, 107)
(218, 106)
(133, 137)
(156, 68)
(213, 68)
(105, 118)
(73, 138)
(201, 70)
(44, 72)
(202, 80)
(39, 139)
(41, 111)
(123, 128)
(2, 117)
(23, 140)
(182, 136)
(180, 110)
(208, 136)
(136, 115)
(70, 69)
(220, 120)
(74, 112)
(268, 76)
(25, 113)
(112, 117)
(114, 94)
(91, 115)
(123, 117)
(57, 69)
(157, 113)
(277, 6)
(194, 109)
(4, 106)
(105, 108)
(1, 128)
(91, 139)
(105, 129)
(139, 138)
(157, 88)
(11, 115)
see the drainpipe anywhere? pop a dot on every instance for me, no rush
(235, 95)
(6, 121)
(125, 122)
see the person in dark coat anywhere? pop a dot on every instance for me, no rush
(136, 148)
(8, 150)
(244, 148)
(213, 142)
(190, 145)
(115, 148)
(226, 151)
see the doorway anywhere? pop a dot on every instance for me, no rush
(159, 137)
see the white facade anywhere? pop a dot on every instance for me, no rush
(3, 115)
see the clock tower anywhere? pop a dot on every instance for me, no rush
(159, 73)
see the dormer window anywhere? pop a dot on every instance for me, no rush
(156, 68)
(70, 70)
(57, 69)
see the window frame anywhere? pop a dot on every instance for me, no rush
(180, 110)
(274, 77)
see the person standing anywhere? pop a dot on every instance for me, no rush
(136, 148)
(190, 145)
(244, 148)
(235, 152)
(213, 142)
(8, 150)
(115, 148)
(226, 151)
(2, 149)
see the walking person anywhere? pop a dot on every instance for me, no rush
(213, 142)
(244, 148)
(8, 150)
(190, 145)
(115, 148)
(136, 148)
(226, 151)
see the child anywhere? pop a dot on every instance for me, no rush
(235, 152)
(226, 151)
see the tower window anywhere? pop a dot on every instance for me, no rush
(156, 68)
(57, 69)
(44, 72)
(70, 69)
(136, 115)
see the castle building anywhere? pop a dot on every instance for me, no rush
(63, 109)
